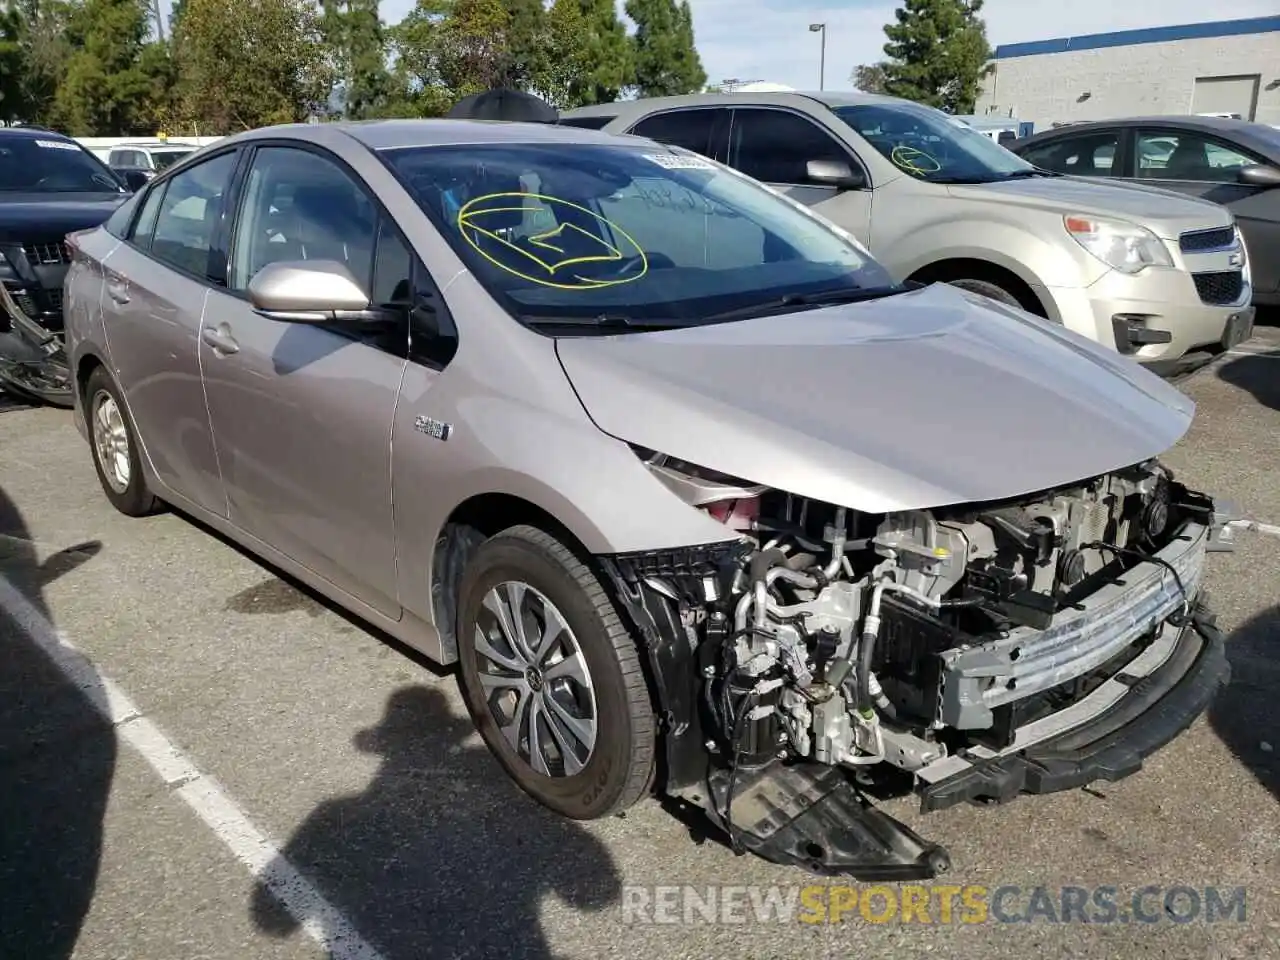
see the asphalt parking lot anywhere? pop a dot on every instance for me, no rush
(245, 728)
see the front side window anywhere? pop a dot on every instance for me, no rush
(775, 146)
(930, 145)
(629, 233)
(299, 205)
(35, 164)
(189, 213)
(1087, 156)
(1188, 156)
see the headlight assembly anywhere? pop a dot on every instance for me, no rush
(1124, 246)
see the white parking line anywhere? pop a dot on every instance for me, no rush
(320, 919)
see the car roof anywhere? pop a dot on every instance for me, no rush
(1245, 132)
(150, 144)
(34, 133)
(793, 98)
(398, 133)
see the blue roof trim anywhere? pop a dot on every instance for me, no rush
(1125, 38)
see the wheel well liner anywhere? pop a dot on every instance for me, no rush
(970, 268)
(469, 524)
(84, 370)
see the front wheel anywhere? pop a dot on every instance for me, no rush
(992, 291)
(552, 678)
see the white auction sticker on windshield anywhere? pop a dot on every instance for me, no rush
(673, 161)
(56, 145)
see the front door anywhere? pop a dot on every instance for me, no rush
(156, 287)
(775, 146)
(1209, 168)
(302, 413)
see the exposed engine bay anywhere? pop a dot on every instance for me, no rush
(936, 645)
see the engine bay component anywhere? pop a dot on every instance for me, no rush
(828, 650)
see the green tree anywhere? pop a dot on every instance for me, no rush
(105, 90)
(354, 36)
(562, 56)
(869, 77)
(14, 105)
(664, 57)
(937, 53)
(249, 63)
(525, 36)
(446, 49)
(606, 54)
(46, 48)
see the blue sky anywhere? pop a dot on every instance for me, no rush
(770, 39)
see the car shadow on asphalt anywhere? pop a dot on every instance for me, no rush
(441, 855)
(57, 759)
(1258, 373)
(1246, 715)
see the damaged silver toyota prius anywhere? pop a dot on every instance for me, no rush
(701, 502)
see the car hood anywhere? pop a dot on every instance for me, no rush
(1166, 213)
(34, 216)
(922, 399)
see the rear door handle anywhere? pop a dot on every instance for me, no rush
(118, 290)
(220, 339)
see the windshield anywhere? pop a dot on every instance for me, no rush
(628, 233)
(166, 158)
(928, 144)
(38, 165)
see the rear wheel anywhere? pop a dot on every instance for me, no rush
(115, 447)
(552, 678)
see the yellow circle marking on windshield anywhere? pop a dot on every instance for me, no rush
(914, 161)
(554, 267)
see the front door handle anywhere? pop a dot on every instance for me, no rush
(220, 339)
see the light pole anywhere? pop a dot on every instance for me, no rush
(821, 28)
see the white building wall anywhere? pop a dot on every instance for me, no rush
(1145, 78)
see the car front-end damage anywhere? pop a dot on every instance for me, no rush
(953, 559)
(984, 650)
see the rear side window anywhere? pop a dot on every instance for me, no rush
(146, 224)
(189, 214)
(690, 129)
(1084, 156)
(118, 223)
(587, 123)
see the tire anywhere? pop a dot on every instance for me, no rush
(988, 289)
(129, 492)
(579, 783)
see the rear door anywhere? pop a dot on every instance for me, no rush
(775, 145)
(157, 282)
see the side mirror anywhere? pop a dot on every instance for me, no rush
(1259, 175)
(833, 173)
(307, 291)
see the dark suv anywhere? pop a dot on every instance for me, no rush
(50, 186)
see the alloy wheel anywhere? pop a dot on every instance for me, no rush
(535, 680)
(111, 441)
